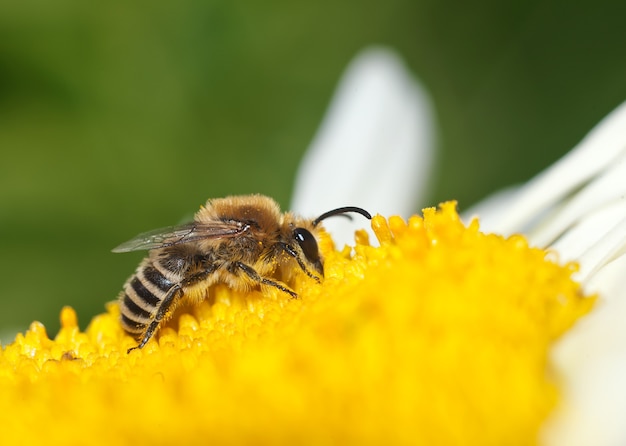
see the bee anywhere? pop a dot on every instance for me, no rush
(241, 241)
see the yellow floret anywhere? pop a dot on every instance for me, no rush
(440, 335)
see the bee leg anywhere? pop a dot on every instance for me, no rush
(173, 293)
(250, 272)
(202, 275)
(293, 253)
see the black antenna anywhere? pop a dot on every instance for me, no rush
(340, 211)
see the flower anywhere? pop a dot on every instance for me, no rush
(442, 334)
(439, 335)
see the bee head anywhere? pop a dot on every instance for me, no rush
(305, 247)
(307, 241)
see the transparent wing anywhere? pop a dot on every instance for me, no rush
(175, 235)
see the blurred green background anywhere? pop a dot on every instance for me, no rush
(122, 116)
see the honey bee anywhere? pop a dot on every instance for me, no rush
(241, 241)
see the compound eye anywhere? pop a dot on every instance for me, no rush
(308, 244)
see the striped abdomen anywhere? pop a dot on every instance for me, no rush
(143, 294)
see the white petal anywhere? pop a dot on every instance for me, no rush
(608, 187)
(605, 144)
(596, 240)
(374, 148)
(591, 359)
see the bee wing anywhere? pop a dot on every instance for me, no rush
(175, 235)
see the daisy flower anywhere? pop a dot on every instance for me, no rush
(438, 333)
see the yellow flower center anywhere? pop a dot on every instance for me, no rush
(440, 335)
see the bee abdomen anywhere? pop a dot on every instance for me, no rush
(141, 298)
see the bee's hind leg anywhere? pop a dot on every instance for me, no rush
(173, 293)
(166, 304)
